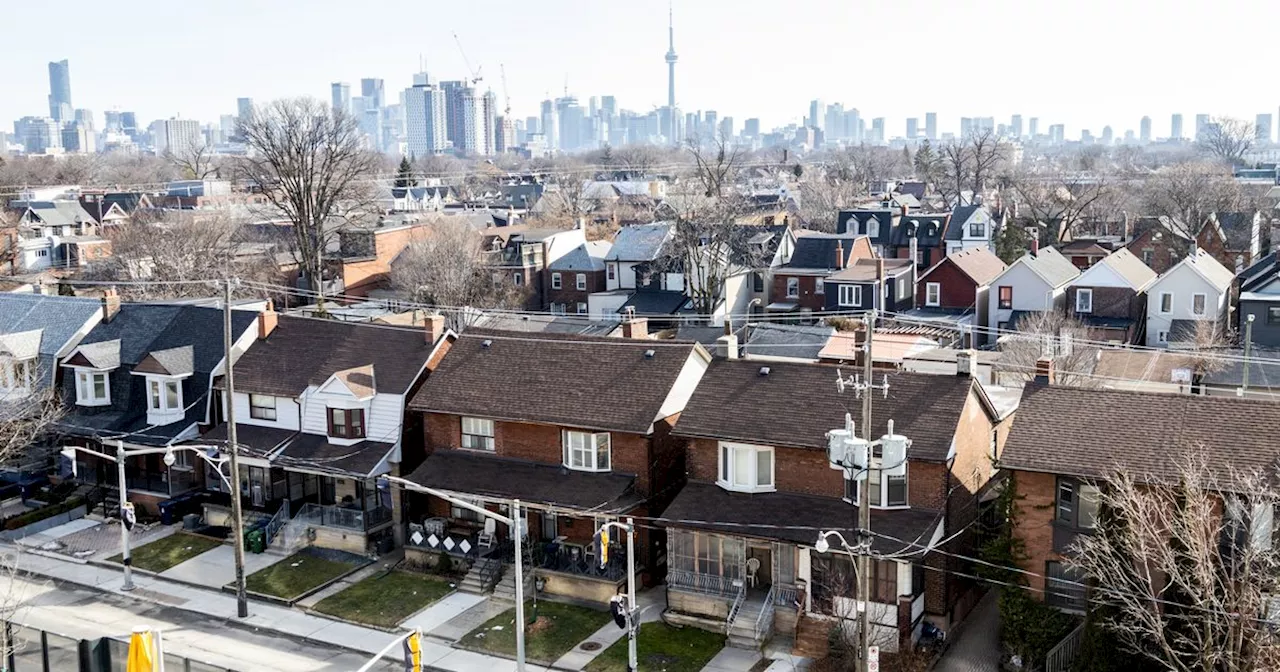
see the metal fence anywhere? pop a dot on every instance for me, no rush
(34, 650)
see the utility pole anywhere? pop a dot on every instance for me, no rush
(126, 557)
(1248, 349)
(237, 519)
(864, 498)
(517, 531)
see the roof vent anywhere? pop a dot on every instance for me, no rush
(648, 354)
(764, 370)
(486, 343)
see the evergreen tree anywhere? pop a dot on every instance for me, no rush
(1011, 243)
(404, 176)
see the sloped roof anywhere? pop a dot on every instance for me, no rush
(1209, 267)
(978, 263)
(21, 345)
(460, 471)
(1050, 265)
(641, 242)
(179, 361)
(866, 270)
(1126, 265)
(1093, 433)
(100, 355)
(787, 340)
(1261, 272)
(60, 213)
(359, 380)
(588, 256)
(818, 250)
(736, 400)
(960, 218)
(300, 352)
(600, 383)
(1235, 228)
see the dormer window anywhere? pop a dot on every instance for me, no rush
(164, 396)
(977, 229)
(346, 423)
(93, 388)
(585, 451)
(16, 376)
(873, 227)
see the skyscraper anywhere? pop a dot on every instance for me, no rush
(60, 91)
(913, 128)
(817, 113)
(1262, 128)
(1033, 127)
(1202, 122)
(425, 123)
(1175, 127)
(176, 135)
(1144, 130)
(751, 128)
(373, 89)
(341, 94)
(877, 130)
(1015, 126)
(1108, 135)
(931, 125)
(673, 135)
(550, 125)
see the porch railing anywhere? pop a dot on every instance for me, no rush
(335, 516)
(277, 522)
(1060, 657)
(764, 621)
(737, 606)
(705, 584)
(786, 596)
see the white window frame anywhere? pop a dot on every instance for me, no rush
(17, 376)
(933, 294)
(480, 431)
(1204, 303)
(879, 484)
(517, 279)
(86, 387)
(559, 308)
(1161, 307)
(819, 286)
(580, 282)
(981, 228)
(164, 394)
(582, 308)
(793, 288)
(873, 227)
(1081, 293)
(849, 296)
(258, 411)
(587, 451)
(556, 281)
(730, 460)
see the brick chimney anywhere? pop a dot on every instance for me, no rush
(1044, 371)
(267, 321)
(839, 255)
(635, 327)
(110, 304)
(433, 328)
(1035, 246)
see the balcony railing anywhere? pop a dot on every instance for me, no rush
(347, 519)
(706, 584)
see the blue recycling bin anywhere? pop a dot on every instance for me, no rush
(168, 513)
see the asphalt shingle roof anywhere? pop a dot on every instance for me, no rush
(1092, 433)
(458, 471)
(787, 340)
(596, 383)
(1126, 265)
(797, 404)
(1049, 264)
(301, 352)
(641, 242)
(589, 256)
(57, 317)
(979, 263)
(818, 250)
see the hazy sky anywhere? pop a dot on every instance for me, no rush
(1085, 63)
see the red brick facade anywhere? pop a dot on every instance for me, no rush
(809, 296)
(1159, 250)
(956, 289)
(569, 296)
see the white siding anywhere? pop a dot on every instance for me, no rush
(624, 275)
(287, 413)
(382, 414)
(1182, 282)
(1030, 292)
(679, 394)
(384, 418)
(1100, 275)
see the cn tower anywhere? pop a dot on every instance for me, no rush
(671, 75)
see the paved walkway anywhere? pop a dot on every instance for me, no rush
(652, 603)
(977, 648)
(89, 539)
(216, 567)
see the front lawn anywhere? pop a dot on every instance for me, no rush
(559, 628)
(168, 552)
(662, 647)
(297, 575)
(383, 600)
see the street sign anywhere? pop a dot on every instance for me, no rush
(873, 659)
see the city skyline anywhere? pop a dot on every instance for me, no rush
(714, 74)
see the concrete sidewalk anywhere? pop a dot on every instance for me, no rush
(278, 619)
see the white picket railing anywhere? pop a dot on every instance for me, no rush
(1061, 656)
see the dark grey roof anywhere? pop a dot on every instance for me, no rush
(658, 302)
(470, 473)
(1236, 228)
(927, 229)
(1093, 432)
(1264, 368)
(853, 222)
(599, 383)
(314, 453)
(960, 218)
(60, 213)
(815, 250)
(1260, 273)
(179, 361)
(641, 242)
(57, 317)
(787, 340)
(707, 336)
(255, 440)
(797, 404)
(1182, 331)
(302, 351)
(589, 256)
(542, 324)
(775, 515)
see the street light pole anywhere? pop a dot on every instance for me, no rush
(516, 533)
(125, 558)
(633, 609)
(864, 501)
(237, 519)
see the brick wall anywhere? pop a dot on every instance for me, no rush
(808, 297)
(569, 295)
(956, 289)
(1035, 524)
(1159, 254)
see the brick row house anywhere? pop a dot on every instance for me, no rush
(319, 414)
(799, 285)
(576, 428)
(1067, 442)
(741, 534)
(576, 276)
(960, 283)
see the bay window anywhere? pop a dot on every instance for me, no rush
(164, 395)
(477, 434)
(586, 451)
(746, 468)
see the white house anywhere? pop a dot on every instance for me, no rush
(971, 226)
(1197, 289)
(1035, 283)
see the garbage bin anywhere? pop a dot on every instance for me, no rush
(255, 541)
(167, 516)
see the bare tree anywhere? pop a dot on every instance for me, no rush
(638, 160)
(716, 164)
(1189, 191)
(1227, 139)
(30, 407)
(446, 267)
(1048, 334)
(969, 164)
(312, 166)
(1058, 197)
(821, 197)
(1187, 562)
(195, 161)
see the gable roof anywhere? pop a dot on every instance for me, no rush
(960, 217)
(786, 340)
(1208, 267)
(1092, 433)
(1164, 223)
(60, 213)
(100, 355)
(796, 405)
(179, 361)
(1124, 264)
(58, 317)
(818, 250)
(640, 242)
(21, 345)
(588, 256)
(977, 263)
(300, 352)
(1260, 273)
(594, 383)
(927, 229)
(1234, 228)
(1050, 265)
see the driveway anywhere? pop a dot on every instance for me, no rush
(977, 647)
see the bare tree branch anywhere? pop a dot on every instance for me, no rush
(1227, 139)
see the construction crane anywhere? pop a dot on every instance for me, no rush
(506, 97)
(475, 73)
